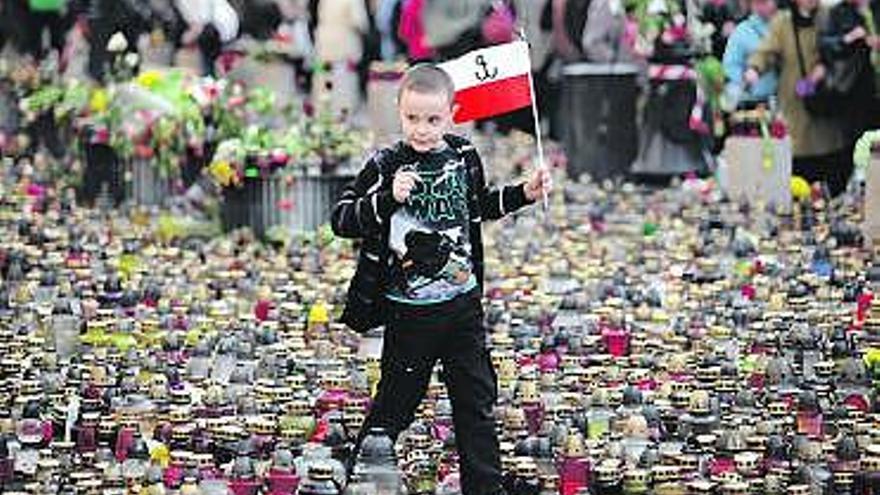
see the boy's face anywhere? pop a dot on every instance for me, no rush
(425, 117)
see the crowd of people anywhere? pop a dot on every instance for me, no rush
(818, 63)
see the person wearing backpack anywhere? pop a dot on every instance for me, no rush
(418, 208)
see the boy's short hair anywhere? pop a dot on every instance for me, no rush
(427, 78)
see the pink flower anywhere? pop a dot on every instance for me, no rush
(697, 125)
(285, 204)
(101, 136)
(36, 190)
(864, 305)
(778, 129)
(279, 157)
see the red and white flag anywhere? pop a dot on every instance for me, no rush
(491, 81)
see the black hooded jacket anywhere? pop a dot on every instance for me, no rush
(364, 212)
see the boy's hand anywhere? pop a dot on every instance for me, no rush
(404, 183)
(540, 183)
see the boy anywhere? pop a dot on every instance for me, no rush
(418, 207)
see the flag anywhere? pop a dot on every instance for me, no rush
(491, 81)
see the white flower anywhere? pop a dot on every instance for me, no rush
(117, 43)
(132, 60)
(657, 7)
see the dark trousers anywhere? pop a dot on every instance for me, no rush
(832, 169)
(37, 24)
(210, 47)
(457, 339)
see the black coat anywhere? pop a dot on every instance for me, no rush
(364, 212)
(842, 58)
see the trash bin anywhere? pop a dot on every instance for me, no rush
(598, 115)
(148, 187)
(258, 204)
(310, 198)
(103, 179)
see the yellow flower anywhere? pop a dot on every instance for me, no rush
(168, 229)
(127, 265)
(318, 314)
(99, 101)
(872, 357)
(149, 79)
(800, 188)
(222, 172)
(160, 454)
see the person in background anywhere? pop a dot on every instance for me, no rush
(261, 19)
(818, 143)
(296, 26)
(45, 16)
(210, 25)
(723, 16)
(371, 39)
(388, 20)
(12, 32)
(453, 27)
(742, 44)
(340, 29)
(339, 47)
(603, 38)
(565, 48)
(412, 31)
(105, 18)
(850, 48)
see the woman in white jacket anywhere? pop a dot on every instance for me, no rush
(210, 25)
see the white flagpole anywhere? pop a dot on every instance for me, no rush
(539, 139)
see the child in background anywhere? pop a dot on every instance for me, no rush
(744, 41)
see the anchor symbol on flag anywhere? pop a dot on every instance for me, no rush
(486, 75)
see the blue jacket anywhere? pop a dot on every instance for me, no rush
(744, 41)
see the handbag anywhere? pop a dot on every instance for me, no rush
(820, 99)
(363, 311)
(844, 75)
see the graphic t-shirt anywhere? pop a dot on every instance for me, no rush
(430, 233)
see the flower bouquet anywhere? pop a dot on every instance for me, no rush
(287, 178)
(46, 106)
(331, 141)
